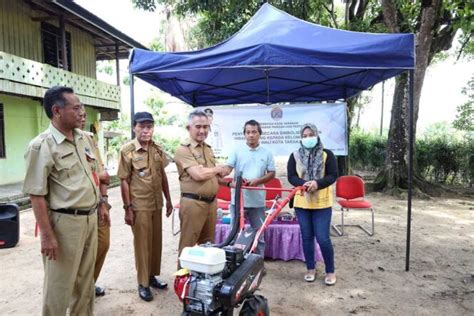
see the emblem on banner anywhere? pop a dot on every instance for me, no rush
(277, 113)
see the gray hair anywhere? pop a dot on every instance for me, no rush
(195, 113)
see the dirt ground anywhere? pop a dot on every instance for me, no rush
(371, 270)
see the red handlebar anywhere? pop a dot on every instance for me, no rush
(267, 188)
(271, 217)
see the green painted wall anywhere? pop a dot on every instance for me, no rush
(21, 125)
(24, 119)
(93, 116)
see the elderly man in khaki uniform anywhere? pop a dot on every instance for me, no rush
(64, 197)
(103, 233)
(199, 180)
(143, 182)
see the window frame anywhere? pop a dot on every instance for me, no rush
(3, 147)
(54, 33)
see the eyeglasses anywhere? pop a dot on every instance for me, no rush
(201, 126)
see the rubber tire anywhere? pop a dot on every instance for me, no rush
(255, 305)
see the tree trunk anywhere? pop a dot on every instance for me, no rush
(394, 177)
(342, 165)
(343, 162)
(394, 174)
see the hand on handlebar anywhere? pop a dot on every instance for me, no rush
(311, 186)
(252, 183)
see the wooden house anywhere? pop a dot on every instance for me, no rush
(44, 43)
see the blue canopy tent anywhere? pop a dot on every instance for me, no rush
(277, 57)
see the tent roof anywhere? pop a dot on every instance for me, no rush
(277, 57)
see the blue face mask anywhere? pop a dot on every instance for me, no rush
(309, 142)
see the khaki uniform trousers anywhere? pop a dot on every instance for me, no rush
(147, 244)
(198, 222)
(103, 244)
(69, 280)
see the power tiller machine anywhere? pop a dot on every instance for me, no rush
(215, 279)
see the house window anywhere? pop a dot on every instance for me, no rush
(52, 47)
(2, 132)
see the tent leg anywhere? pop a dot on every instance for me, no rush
(132, 105)
(381, 112)
(410, 165)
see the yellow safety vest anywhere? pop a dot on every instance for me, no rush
(315, 200)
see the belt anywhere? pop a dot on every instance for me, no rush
(198, 197)
(75, 212)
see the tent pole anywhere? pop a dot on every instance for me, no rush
(132, 105)
(381, 114)
(268, 87)
(410, 165)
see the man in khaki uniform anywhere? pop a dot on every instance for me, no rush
(64, 197)
(199, 180)
(103, 233)
(143, 182)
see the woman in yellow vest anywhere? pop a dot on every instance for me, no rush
(315, 168)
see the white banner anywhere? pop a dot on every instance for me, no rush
(280, 125)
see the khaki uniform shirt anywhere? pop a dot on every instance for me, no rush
(59, 170)
(96, 163)
(190, 154)
(143, 169)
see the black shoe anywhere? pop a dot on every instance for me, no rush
(157, 284)
(99, 291)
(145, 293)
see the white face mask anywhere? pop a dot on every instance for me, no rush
(309, 142)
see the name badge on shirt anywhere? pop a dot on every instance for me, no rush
(90, 157)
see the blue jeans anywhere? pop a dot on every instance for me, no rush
(316, 223)
(256, 217)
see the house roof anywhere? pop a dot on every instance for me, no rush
(106, 37)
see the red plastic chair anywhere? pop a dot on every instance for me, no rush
(350, 194)
(224, 196)
(270, 196)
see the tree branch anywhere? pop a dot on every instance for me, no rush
(378, 19)
(331, 13)
(352, 9)
(390, 16)
(442, 41)
(361, 9)
(463, 46)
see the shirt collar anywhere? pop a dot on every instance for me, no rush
(195, 144)
(60, 137)
(138, 146)
(253, 149)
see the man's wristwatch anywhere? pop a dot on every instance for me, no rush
(127, 206)
(102, 200)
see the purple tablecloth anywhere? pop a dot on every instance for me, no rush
(282, 241)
